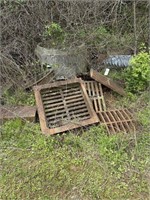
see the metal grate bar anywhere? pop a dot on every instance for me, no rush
(117, 120)
(94, 90)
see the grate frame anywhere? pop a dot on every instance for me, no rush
(95, 92)
(120, 120)
(63, 106)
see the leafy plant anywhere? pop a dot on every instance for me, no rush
(97, 36)
(137, 75)
(19, 98)
(54, 33)
(143, 117)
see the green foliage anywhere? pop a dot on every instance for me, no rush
(144, 117)
(54, 33)
(88, 166)
(137, 75)
(19, 98)
(97, 36)
(102, 38)
(13, 5)
(101, 31)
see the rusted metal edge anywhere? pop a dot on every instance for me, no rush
(107, 82)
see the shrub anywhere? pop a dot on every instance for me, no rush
(137, 75)
(19, 98)
(54, 33)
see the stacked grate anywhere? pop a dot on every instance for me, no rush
(95, 92)
(74, 103)
(120, 120)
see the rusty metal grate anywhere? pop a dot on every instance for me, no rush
(63, 106)
(117, 120)
(95, 92)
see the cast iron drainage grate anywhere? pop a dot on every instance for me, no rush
(95, 92)
(117, 120)
(63, 106)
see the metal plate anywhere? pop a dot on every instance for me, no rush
(107, 82)
(23, 112)
(117, 120)
(95, 92)
(64, 106)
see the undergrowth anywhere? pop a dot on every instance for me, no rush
(69, 166)
(90, 165)
(138, 73)
(19, 97)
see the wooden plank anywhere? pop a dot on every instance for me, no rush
(107, 82)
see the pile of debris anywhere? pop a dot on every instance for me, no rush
(73, 103)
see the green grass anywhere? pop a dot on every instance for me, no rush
(69, 166)
(20, 97)
(87, 166)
